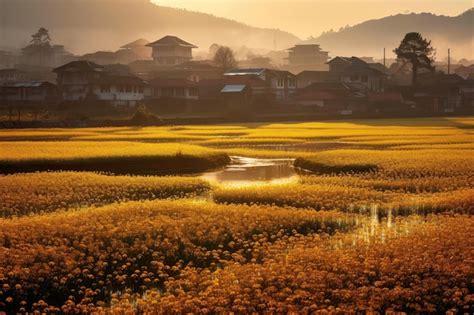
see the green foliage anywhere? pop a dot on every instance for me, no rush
(41, 37)
(224, 58)
(418, 51)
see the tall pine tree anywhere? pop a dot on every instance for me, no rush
(418, 51)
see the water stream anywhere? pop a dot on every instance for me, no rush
(246, 171)
(253, 171)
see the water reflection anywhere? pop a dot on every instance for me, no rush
(300, 147)
(253, 171)
(375, 227)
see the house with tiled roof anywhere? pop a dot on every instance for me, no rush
(165, 88)
(11, 75)
(75, 79)
(171, 51)
(282, 84)
(330, 96)
(139, 48)
(24, 93)
(307, 77)
(370, 77)
(83, 80)
(307, 57)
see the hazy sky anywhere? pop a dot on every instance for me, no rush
(311, 17)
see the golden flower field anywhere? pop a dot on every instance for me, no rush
(377, 217)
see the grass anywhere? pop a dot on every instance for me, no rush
(87, 255)
(317, 167)
(380, 225)
(427, 270)
(54, 191)
(114, 157)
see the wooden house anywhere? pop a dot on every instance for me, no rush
(171, 51)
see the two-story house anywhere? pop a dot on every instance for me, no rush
(76, 79)
(367, 77)
(84, 80)
(307, 57)
(11, 75)
(171, 51)
(163, 88)
(120, 90)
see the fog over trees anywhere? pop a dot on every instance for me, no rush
(85, 26)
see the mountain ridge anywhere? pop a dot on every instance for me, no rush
(455, 32)
(106, 25)
(85, 26)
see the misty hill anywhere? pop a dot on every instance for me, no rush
(91, 25)
(370, 37)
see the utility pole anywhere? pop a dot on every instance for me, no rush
(449, 61)
(384, 57)
(384, 67)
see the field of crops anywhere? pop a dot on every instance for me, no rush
(378, 217)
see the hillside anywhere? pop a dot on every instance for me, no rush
(90, 25)
(369, 38)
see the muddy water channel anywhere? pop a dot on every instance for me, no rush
(253, 171)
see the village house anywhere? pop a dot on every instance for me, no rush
(331, 97)
(358, 73)
(439, 92)
(139, 48)
(232, 90)
(8, 59)
(190, 70)
(120, 90)
(27, 93)
(307, 77)
(387, 102)
(466, 89)
(307, 57)
(282, 84)
(236, 96)
(171, 51)
(76, 79)
(11, 75)
(87, 81)
(183, 89)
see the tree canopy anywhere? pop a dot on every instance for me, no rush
(418, 51)
(225, 58)
(41, 37)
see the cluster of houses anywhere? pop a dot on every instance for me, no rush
(171, 77)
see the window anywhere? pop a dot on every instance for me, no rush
(128, 89)
(291, 82)
(280, 83)
(105, 88)
(121, 89)
(180, 91)
(34, 91)
(365, 78)
(193, 92)
(167, 92)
